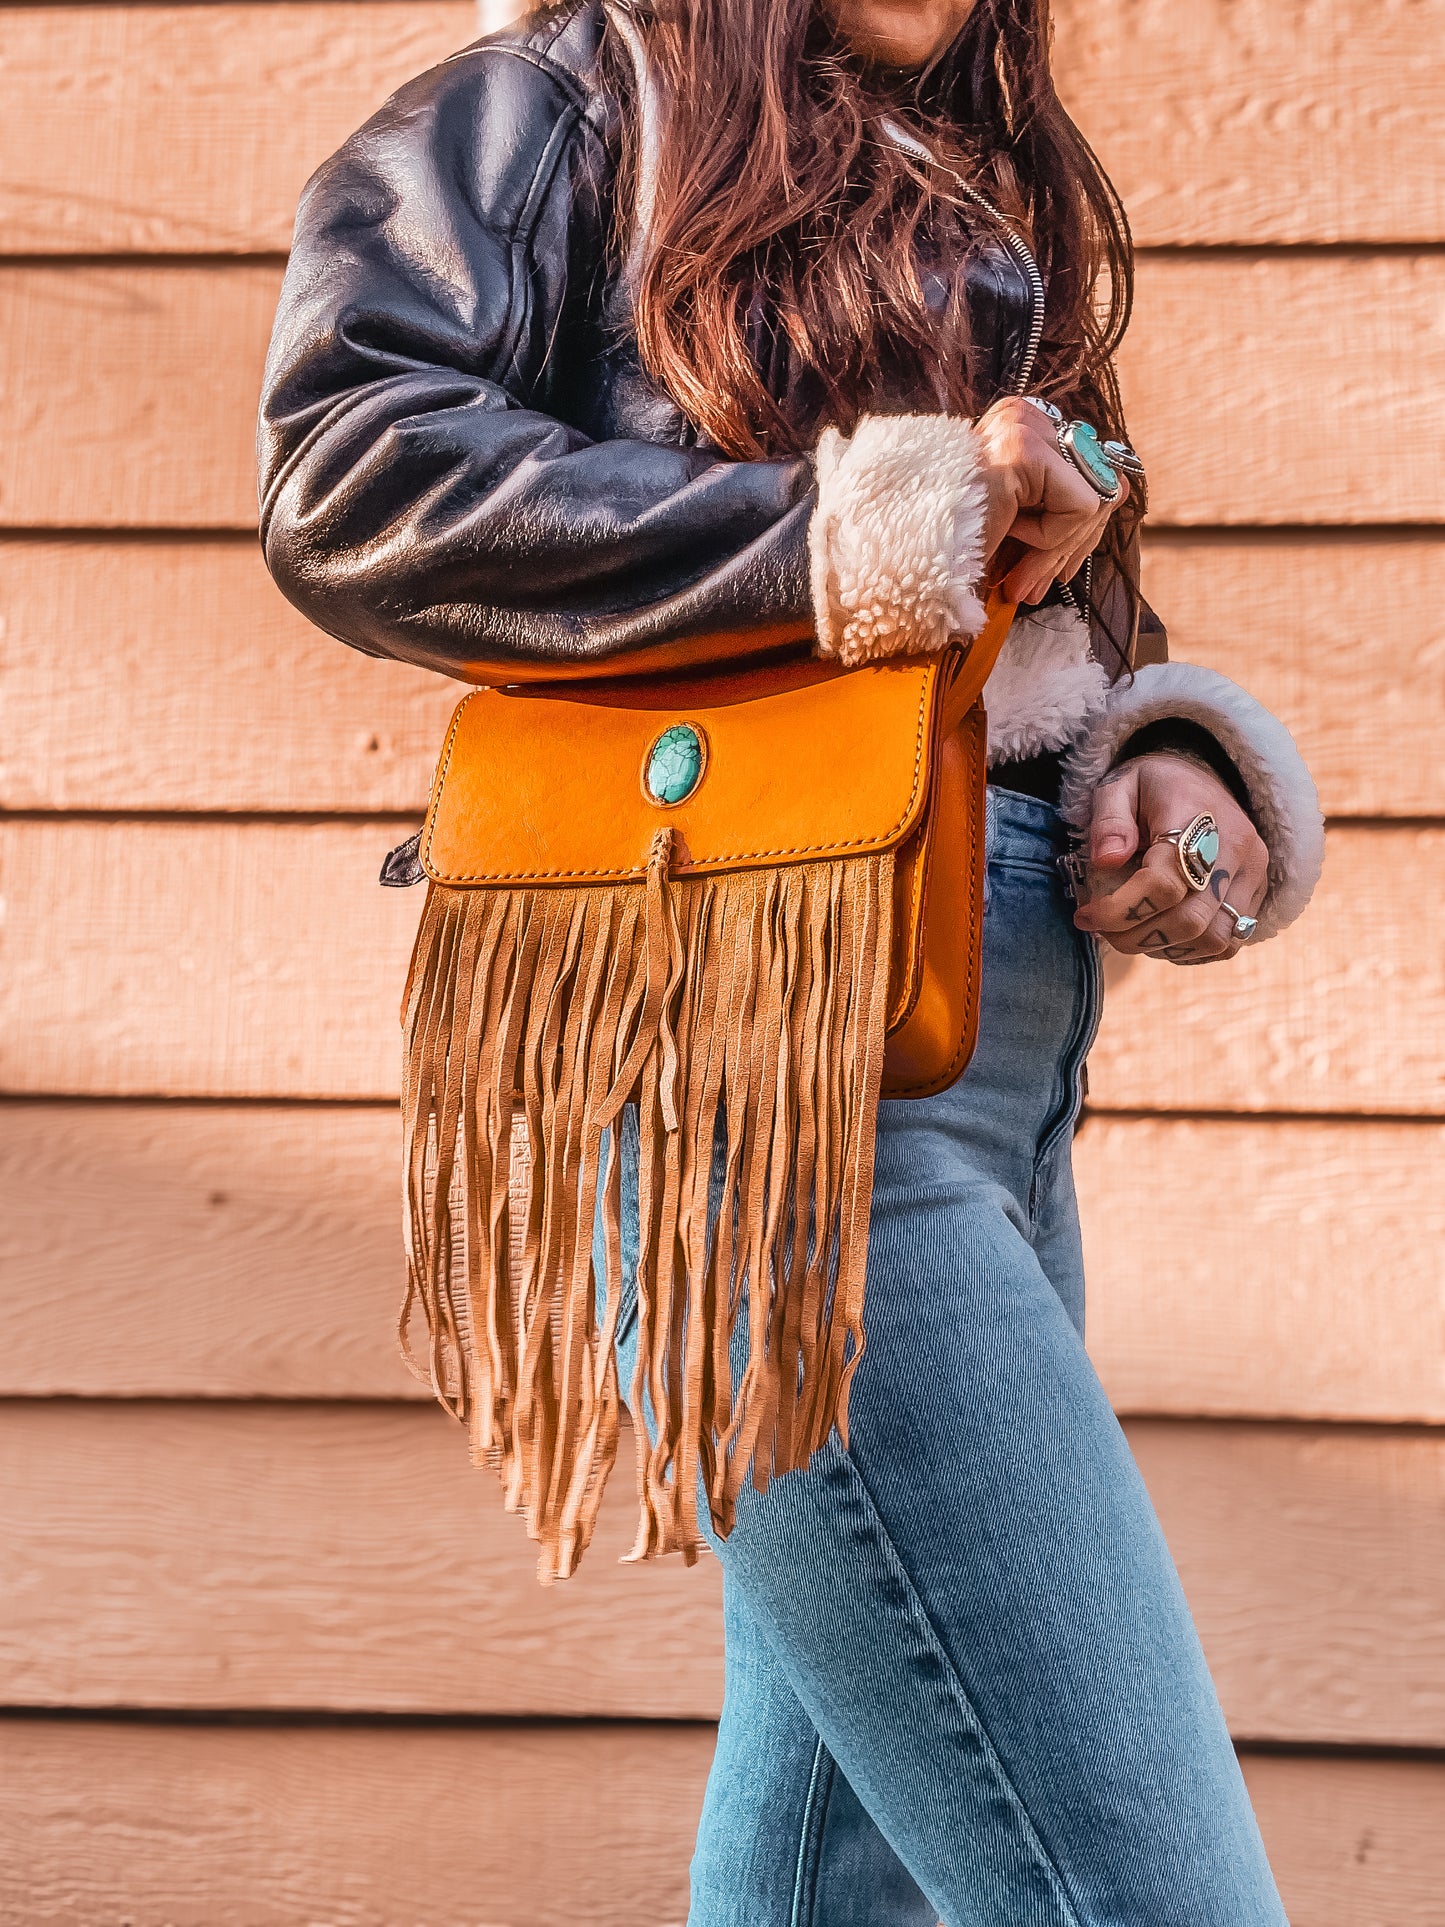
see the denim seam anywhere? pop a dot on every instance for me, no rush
(815, 1807)
(924, 1625)
(1059, 1130)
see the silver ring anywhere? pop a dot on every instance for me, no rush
(1120, 455)
(1055, 415)
(1080, 442)
(1244, 927)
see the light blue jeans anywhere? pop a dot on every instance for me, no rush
(962, 1681)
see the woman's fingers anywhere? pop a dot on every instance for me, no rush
(1156, 889)
(1238, 892)
(1038, 496)
(1155, 912)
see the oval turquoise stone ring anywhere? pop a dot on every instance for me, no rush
(1197, 845)
(1080, 442)
(674, 765)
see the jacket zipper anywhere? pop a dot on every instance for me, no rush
(1024, 255)
(1017, 246)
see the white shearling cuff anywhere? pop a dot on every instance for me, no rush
(895, 545)
(1283, 799)
(1045, 685)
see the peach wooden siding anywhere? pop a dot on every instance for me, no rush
(220, 1494)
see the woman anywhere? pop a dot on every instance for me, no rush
(651, 333)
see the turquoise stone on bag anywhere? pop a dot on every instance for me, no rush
(674, 764)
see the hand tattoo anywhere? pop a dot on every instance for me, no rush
(1145, 907)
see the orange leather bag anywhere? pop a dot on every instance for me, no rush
(749, 966)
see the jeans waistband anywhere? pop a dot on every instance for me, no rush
(1024, 829)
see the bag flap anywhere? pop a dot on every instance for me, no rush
(799, 762)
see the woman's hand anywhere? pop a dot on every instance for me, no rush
(1038, 498)
(1153, 912)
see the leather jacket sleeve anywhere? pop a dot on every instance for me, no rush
(427, 491)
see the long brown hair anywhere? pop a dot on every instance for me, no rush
(781, 280)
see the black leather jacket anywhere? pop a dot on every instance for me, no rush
(461, 462)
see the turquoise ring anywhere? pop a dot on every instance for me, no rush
(1080, 442)
(1197, 847)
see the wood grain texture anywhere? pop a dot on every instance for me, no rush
(131, 394)
(1253, 385)
(201, 1826)
(203, 689)
(350, 1557)
(1353, 1843)
(328, 1557)
(161, 1250)
(232, 958)
(191, 129)
(1289, 1541)
(261, 959)
(131, 390)
(1342, 636)
(1338, 1014)
(180, 1826)
(1317, 1292)
(1238, 120)
(173, 675)
(154, 129)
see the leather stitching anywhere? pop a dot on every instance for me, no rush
(922, 869)
(797, 853)
(969, 1040)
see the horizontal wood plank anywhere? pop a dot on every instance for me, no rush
(1340, 1013)
(131, 393)
(1353, 1843)
(192, 129)
(1284, 615)
(1253, 384)
(343, 1557)
(350, 1557)
(1317, 1292)
(236, 958)
(1289, 1541)
(199, 687)
(161, 1250)
(1238, 120)
(261, 959)
(155, 129)
(201, 1826)
(131, 390)
(203, 689)
(197, 1826)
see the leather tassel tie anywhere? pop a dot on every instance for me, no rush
(743, 1015)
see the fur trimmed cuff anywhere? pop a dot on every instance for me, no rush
(1045, 686)
(895, 545)
(1282, 795)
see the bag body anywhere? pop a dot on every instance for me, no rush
(747, 904)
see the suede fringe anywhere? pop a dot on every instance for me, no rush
(532, 1017)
